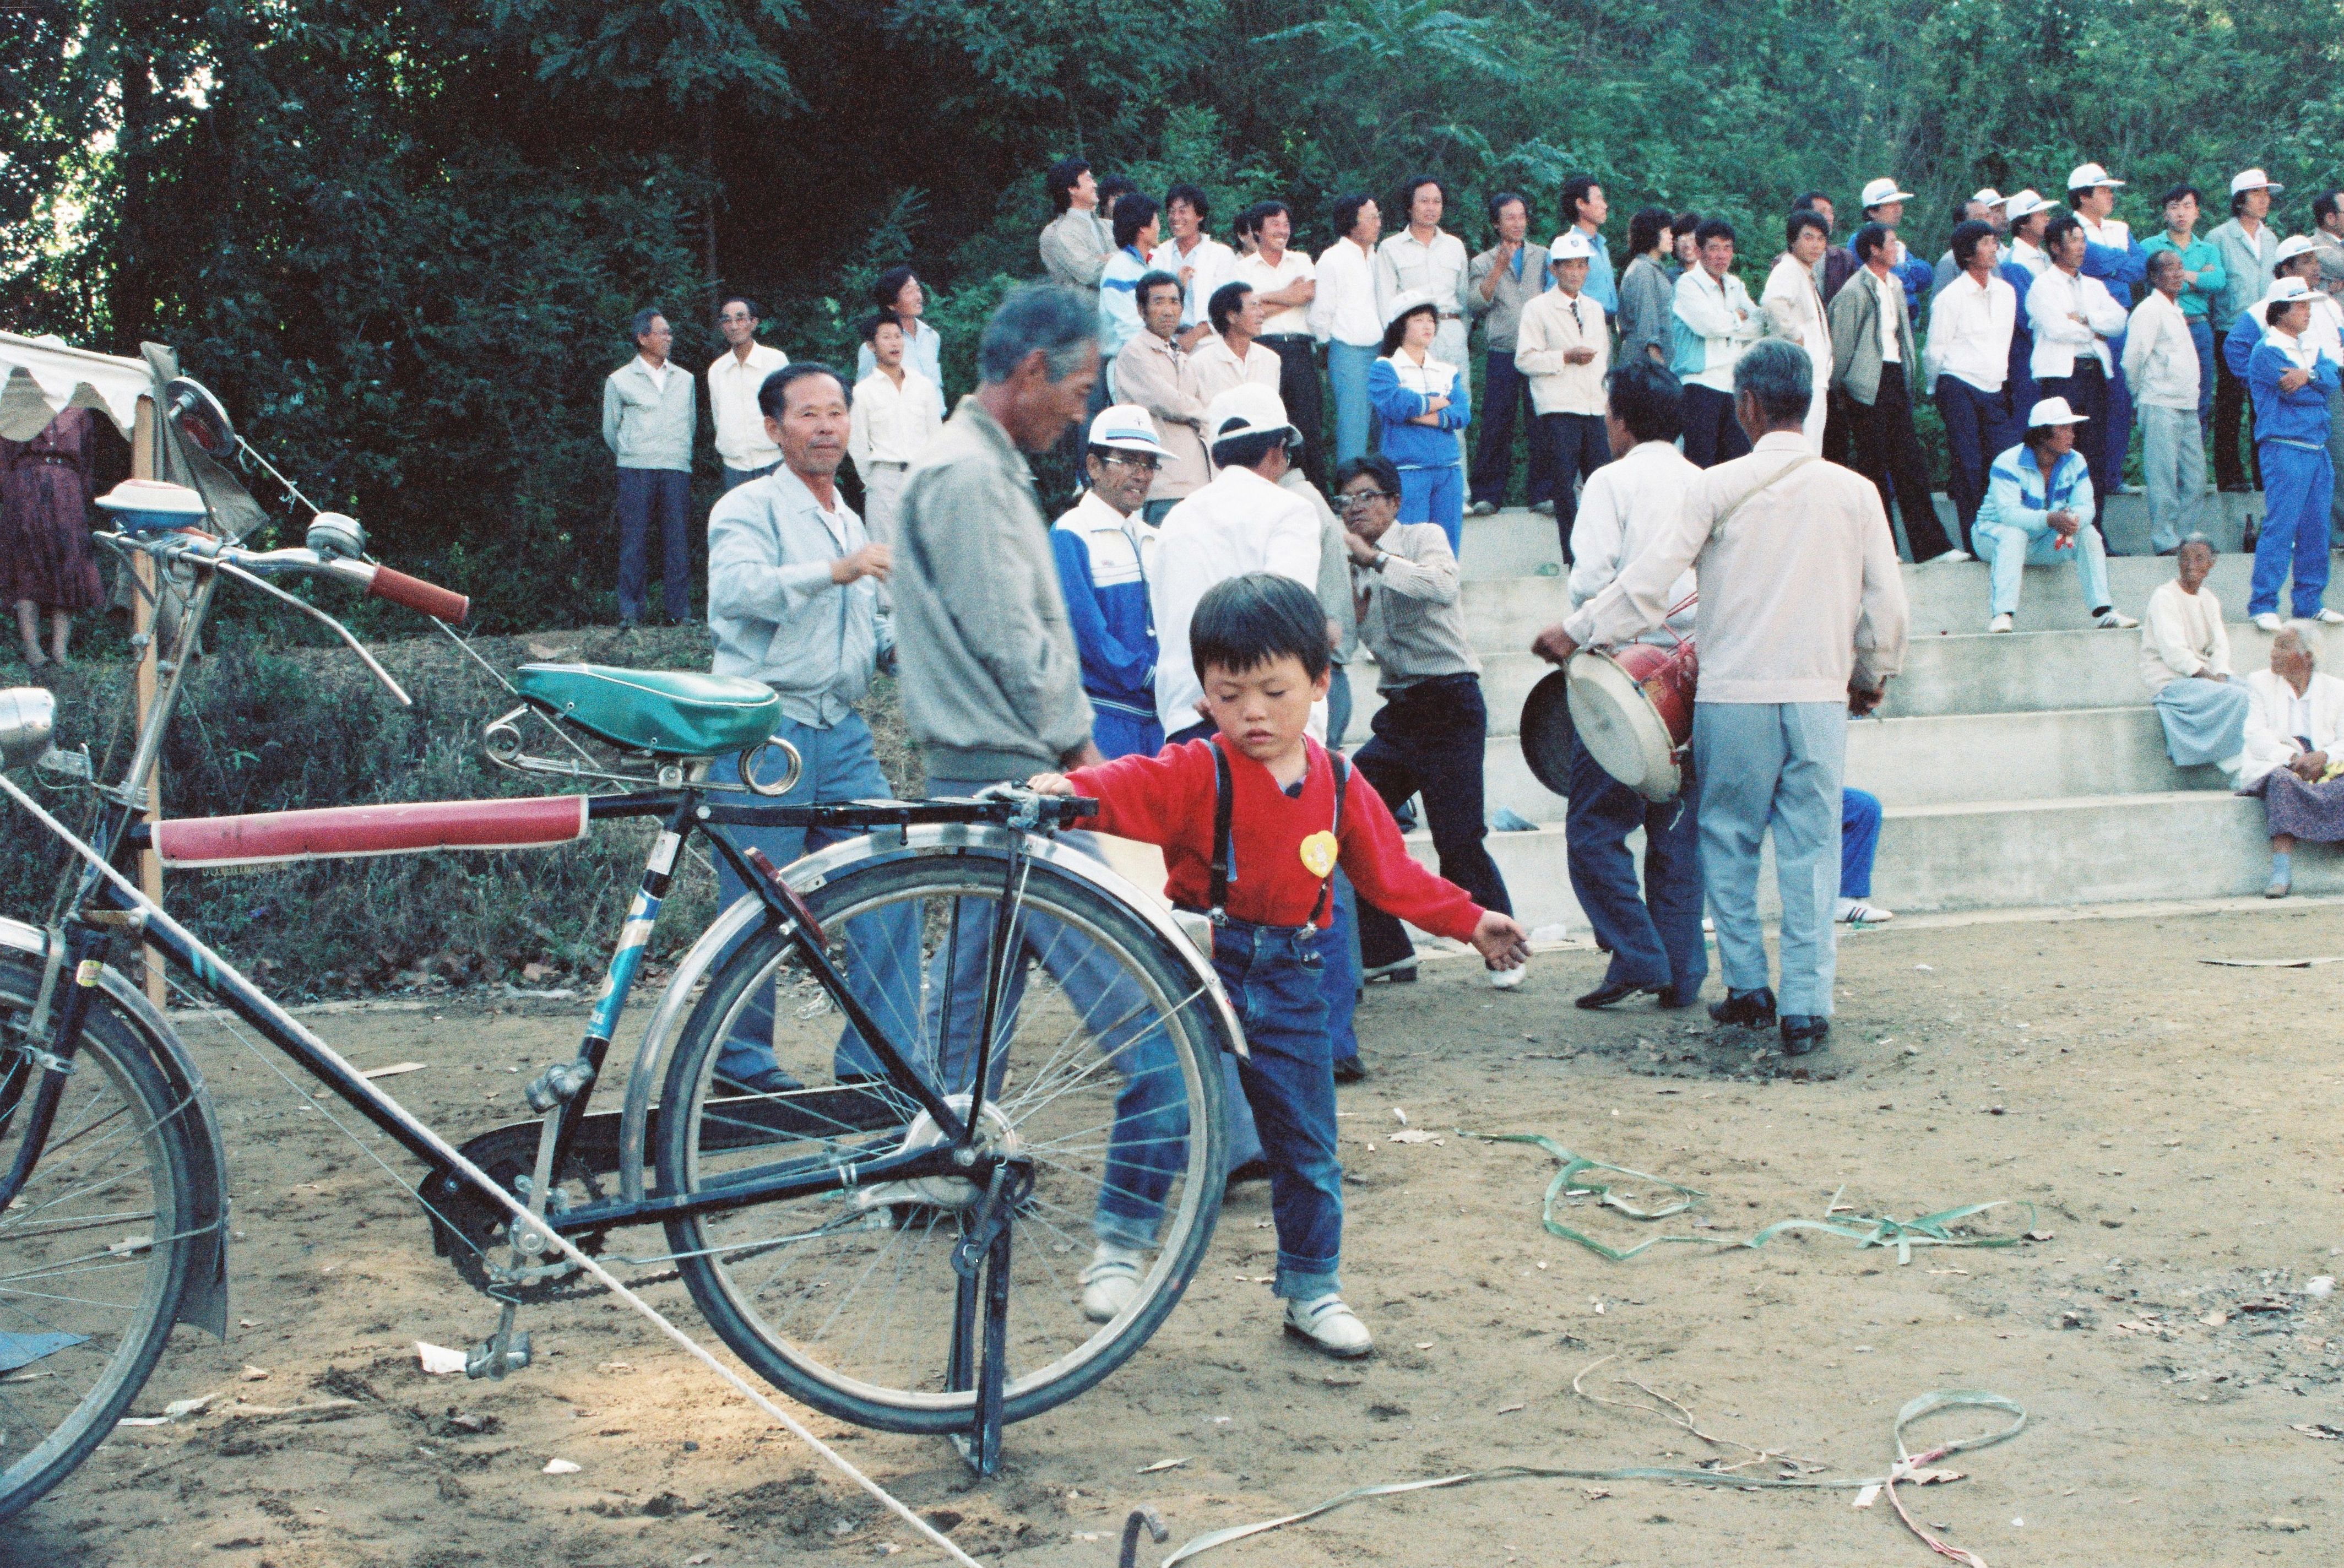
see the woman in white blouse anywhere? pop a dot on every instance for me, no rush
(2295, 754)
(1795, 309)
(2184, 661)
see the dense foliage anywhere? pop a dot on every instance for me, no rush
(402, 237)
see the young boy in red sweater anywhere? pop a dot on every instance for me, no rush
(1252, 824)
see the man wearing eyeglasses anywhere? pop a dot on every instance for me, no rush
(1106, 549)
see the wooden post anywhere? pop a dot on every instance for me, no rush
(142, 619)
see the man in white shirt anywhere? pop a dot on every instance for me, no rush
(1715, 323)
(2160, 360)
(1200, 262)
(897, 411)
(1345, 318)
(1968, 365)
(1231, 354)
(733, 378)
(2074, 317)
(1288, 285)
(1563, 346)
(1793, 304)
(1656, 945)
(1422, 259)
(1803, 622)
(1243, 521)
(1988, 207)
(2030, 215)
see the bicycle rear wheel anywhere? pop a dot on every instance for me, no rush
(95, 1252)
(1108, 1075)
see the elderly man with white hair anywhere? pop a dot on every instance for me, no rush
(2295, 754)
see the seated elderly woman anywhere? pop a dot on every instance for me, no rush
(2038, 511)
(2185, 660)
(2295, 754)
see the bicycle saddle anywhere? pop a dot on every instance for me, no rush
(669, 712)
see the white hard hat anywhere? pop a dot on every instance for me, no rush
(2054, 412)
(1249, 409)
(2085, 175)
(1881, 192)
(1125, 427)
(2025, 204)
(1570, 245)
(2285, 291)
(2253, 179)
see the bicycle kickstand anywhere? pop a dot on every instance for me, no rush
(980, 1356)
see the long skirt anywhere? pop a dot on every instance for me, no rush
(46, 554)
(2307, 811)
(2204, 721)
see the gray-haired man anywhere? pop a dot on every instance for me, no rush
(649, 413)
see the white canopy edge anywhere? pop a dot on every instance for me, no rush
(64, 377)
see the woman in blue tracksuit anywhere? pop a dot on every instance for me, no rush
(1421, 406)
(2289, 382)
(2038, 510)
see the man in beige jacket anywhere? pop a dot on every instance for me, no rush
(1563, 348)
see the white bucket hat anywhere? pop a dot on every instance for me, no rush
(2085, 175)
(1126, 428)
(2054, 412)
(1989, 195)
(2293, 246)
(1250, 409)
(1408, 299)
(1881, 192)
(2253, 179)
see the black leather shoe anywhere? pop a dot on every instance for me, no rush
(1350, 1070)
(1752, 1010)
(1252, 1170)
(1669, 999)
(1611, 991)
(1804, 1032)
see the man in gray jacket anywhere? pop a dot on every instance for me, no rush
(650, 408)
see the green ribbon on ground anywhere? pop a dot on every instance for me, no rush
(1864, 1230)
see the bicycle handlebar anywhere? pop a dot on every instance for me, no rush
(414, 594)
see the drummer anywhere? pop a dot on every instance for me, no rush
(1802, 622)
(1653, 935)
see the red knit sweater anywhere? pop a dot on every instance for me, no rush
(1166, 800)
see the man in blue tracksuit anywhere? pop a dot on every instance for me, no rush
(1104, 547)
(2289, 380)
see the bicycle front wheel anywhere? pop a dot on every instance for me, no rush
(95, 1252)
(1107, 1077)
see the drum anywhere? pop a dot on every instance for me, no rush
(1633, 708)
(1546, 732)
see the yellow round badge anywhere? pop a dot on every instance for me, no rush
(1318, 853)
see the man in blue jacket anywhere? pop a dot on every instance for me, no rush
(1104, 547)
(2289, 379)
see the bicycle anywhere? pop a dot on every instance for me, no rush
(856, 1120)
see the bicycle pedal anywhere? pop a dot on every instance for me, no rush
(497, 1355)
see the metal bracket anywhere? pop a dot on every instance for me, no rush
(46, 1059)
(72, 764)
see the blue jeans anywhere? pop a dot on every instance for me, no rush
(2009, 550)
(2298, 484)
(1859, 836)
(1339, 707)
(882, 948)
(1276, 985)
(1778, 766)
(649, 498)
(1655, 939)
(1347, 371)
(1435, 495)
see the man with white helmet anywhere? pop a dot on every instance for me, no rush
(2039, 509)
(1562, 346)
(1883, 203)
(2248, 247)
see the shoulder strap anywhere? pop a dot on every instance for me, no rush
(1341, 767)
(1224, 870)
(1760, 487)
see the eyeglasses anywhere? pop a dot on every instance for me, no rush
(1353, 499)
(1141, 463)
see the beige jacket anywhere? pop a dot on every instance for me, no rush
(1154, 374)
(1545, 334)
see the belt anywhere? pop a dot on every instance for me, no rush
(1285, 338)
(880, 463)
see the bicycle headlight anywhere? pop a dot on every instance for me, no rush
(28, 716)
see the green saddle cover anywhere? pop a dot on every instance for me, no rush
(669, 712)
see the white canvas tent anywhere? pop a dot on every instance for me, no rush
(42, 376)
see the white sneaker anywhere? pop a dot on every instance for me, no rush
(1856, 911)
(2001, 624)
(1112, 1282)
(1950, 557)
(2115, 620)
(1480, 508)
(2330, 617)
(1332, 1328)
(1507, 979)
(2268, 622)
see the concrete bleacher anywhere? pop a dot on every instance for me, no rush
(2020, 769)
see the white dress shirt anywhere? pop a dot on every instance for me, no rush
(1293, 267)
(1721, 315)
(732, 386)
(890, 424)
(2029, 256)
(1217, 367)
(1345, 309)
(2055, 301)
(1214, 263)
(1624, 506)
(2160, 360)
(1241, 523)
(1970, 328)
(1890, 289)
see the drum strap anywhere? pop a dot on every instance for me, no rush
(1224, 868)
(1755, 491)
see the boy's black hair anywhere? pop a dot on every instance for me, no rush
(1244, 623)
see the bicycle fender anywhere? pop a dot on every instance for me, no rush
(204, 1304)
(808, 874)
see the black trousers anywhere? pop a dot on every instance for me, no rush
(652, 499)
(2233, 406)
(1712, 434)
(1429, 737)
(1298, 388)
(1978, 430)
(1576, 445)
(1839, 444)
(1888, 453)
(1506, 396)
(2086, 391)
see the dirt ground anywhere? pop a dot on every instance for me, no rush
(2174, 1124)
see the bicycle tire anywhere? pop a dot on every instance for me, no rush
(1193, 1027)
(108, 1160)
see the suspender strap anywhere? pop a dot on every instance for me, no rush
(1342, 777)
(1223, 866)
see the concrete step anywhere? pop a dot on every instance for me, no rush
(1518, 542)
(2100, 849)
(1503, 614)
(1975, 673)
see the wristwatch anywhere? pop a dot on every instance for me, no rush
(1377, 563)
